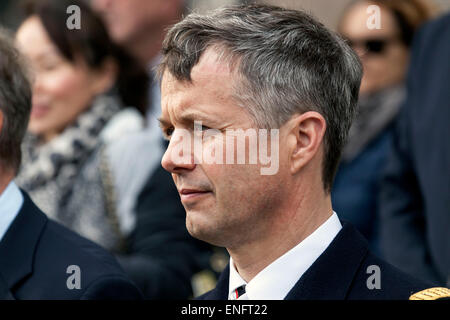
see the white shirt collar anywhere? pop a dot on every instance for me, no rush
(276, 280)
(11, 200)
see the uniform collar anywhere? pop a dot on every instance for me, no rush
(11, 201)
(277, 279)
(332, 274)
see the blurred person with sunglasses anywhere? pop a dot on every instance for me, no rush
(384, 53)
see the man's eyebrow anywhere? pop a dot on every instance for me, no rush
(188, 116)
(191, 116)
(163, 122)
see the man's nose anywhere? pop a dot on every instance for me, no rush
(179, 156)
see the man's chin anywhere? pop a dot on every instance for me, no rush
(203, 231)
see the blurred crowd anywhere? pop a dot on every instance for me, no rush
(91, 156)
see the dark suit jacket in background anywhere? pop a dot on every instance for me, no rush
(415, 194)
(340, 273)
(35, 253)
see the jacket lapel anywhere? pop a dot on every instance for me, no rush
(18, 246)
(5, 293)
(330, 276)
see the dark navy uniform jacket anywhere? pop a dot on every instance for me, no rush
(35, 253)
(341, 272)
(415, 195)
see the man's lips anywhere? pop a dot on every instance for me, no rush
(191, 194)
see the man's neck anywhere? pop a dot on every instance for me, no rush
(287, 231)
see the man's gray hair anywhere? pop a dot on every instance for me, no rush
(15, 103)
(286, 63)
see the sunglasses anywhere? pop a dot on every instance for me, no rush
(375, 46)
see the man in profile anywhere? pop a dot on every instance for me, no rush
(40, 259)
(268, 69)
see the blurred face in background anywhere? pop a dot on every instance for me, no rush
(62, 89)
(384, 56)
(132, 20)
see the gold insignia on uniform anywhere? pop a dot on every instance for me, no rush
(431, 294)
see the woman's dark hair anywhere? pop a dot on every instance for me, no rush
(93, 43)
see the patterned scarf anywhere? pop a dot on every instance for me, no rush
(48, 170)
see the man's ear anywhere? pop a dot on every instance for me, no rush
(306, 132)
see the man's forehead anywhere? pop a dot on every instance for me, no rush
(212, 63)
(211, 74)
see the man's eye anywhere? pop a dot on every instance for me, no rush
(168, 132)
(200, 128)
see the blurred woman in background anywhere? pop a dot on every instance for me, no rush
(86, 160)
(384, 53)
(87, 93)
